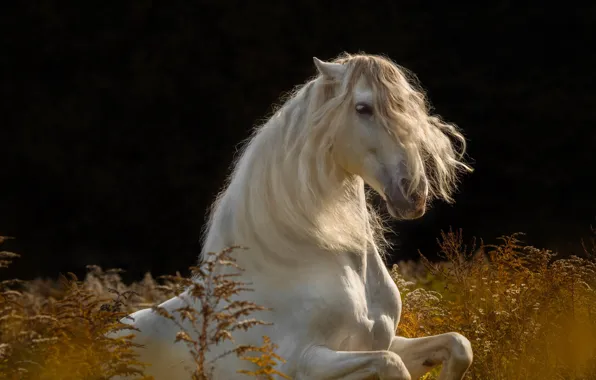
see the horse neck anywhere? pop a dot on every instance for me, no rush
(288, 206)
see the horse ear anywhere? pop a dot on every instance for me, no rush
(329, 69)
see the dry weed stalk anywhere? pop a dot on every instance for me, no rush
(220, 314)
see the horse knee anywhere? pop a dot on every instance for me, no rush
(392, 367)
(461, 350)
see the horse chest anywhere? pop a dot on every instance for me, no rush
(353, 314)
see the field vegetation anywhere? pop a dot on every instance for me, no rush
(528, 313)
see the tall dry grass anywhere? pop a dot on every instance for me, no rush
(528, 314)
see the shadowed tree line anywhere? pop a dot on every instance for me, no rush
(120, 121)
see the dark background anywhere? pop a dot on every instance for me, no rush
(119, 122)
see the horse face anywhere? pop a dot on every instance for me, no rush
(364, 147)
(379, 158)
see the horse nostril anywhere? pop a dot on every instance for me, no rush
(405, 185)
(415, 197)
(418, 199)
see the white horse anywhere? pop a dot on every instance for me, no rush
(296, 199)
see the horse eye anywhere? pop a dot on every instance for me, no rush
(364, 109)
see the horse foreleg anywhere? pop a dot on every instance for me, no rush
(322, 363)
(420, 355)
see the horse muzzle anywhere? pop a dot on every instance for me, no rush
(404, 207)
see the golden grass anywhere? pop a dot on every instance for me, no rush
(528, 315)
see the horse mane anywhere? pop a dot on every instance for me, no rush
(286, 193)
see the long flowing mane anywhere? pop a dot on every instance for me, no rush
(286, 193)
